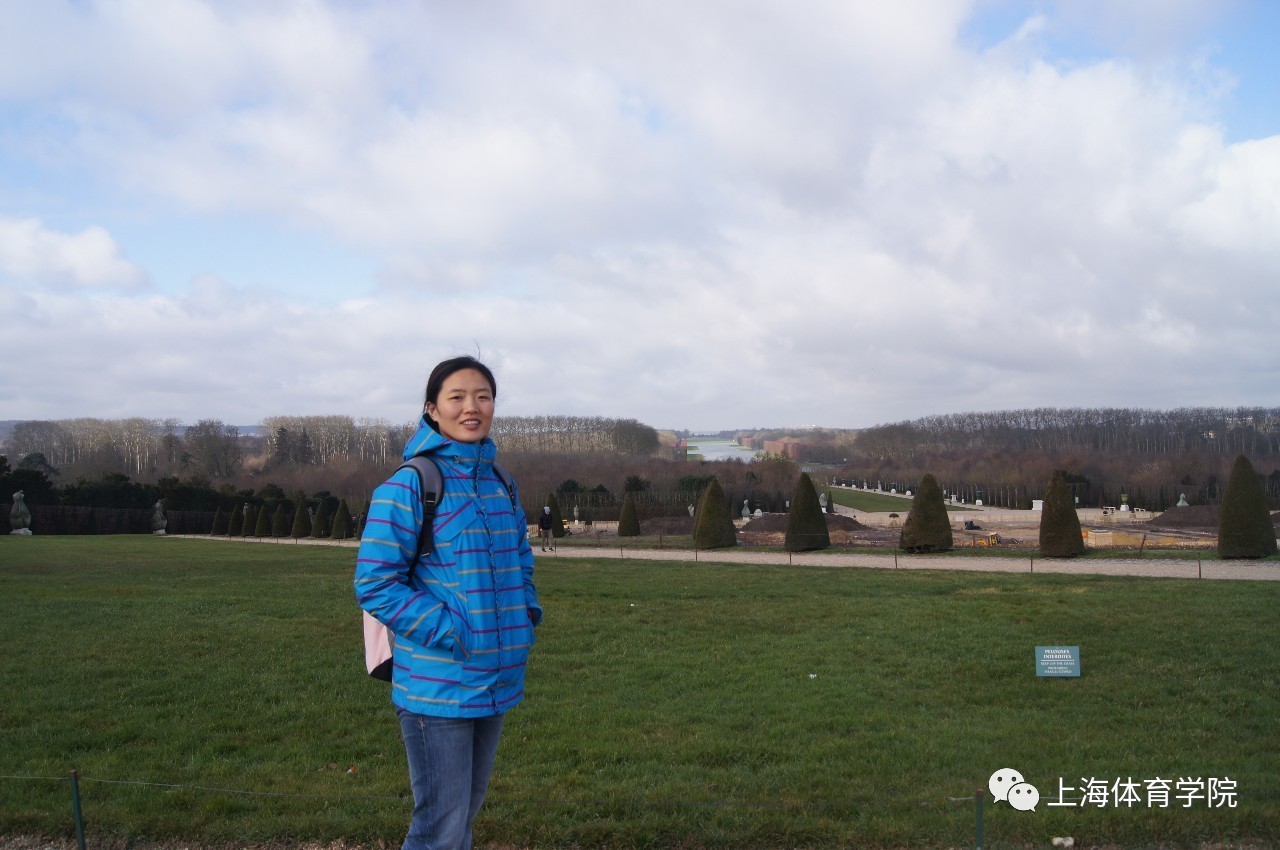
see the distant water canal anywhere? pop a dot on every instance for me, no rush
(721, 450)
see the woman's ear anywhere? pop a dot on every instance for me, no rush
(430, 410)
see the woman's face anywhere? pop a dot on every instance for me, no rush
(464, 408)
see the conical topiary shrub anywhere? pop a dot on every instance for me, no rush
(1245, 529)
(262, 527)
(237, 521)
(301, 520)
(806, 525)
(320, 525)
(928, 528)
(713, 528)
(281, 520)
(557, 521)
(219, 522)
(1060, 535)
(628, 522)
(341, 522)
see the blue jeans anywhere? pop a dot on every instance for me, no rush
(449, 763)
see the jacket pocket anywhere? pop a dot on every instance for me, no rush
(448, 528)
(448, 557)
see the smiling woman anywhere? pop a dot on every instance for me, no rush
(459, 403)
(462, 609)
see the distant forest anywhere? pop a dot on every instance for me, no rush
(1146, 458)
(340, 455)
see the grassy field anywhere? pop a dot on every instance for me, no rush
(863, 500)
(684, 704)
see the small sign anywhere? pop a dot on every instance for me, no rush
(1057, 661)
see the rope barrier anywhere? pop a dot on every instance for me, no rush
(73, 777)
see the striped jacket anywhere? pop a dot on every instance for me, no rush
(464, 615)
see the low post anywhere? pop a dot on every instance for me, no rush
(978, 798)
(75, 809)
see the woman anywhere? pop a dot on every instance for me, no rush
(463, 615)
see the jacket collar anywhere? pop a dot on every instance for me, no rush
(426, 440)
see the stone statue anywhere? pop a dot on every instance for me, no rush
(746, 508)
(1182, 501)
(575, 513)
(20, 514)
(822, 500)
(691, 510)
(158, 520)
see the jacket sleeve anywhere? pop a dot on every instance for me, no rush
(526, 558)
(383, 567)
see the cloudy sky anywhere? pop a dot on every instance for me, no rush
(705, 215)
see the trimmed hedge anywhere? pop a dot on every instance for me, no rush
(713, 526)
(806, 525)
(1245, 528)
(1060, 534)
(928, 528)
(628, 521)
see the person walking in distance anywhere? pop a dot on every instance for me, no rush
(545, 531)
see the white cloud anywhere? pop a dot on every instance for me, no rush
(704, 215)
(41, 257)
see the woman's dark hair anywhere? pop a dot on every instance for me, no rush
(441, 373)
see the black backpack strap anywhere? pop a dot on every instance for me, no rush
(431, 488)
(505, 478)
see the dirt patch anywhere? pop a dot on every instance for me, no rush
(1196, 518)
(771, 530)
(25, 842)
(667, 525)
(778, 522)
(1192, 517)
(109, 842)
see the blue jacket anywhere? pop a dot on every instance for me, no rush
(463, 616)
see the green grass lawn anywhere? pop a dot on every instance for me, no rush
(669, 704)
(863, 500)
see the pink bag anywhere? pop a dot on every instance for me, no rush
(378, 641)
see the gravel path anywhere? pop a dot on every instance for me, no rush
(1148, 567)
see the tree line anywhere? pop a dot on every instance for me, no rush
(89, 447)
(1251, 431)
(1107, 456)
(1148, 459)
